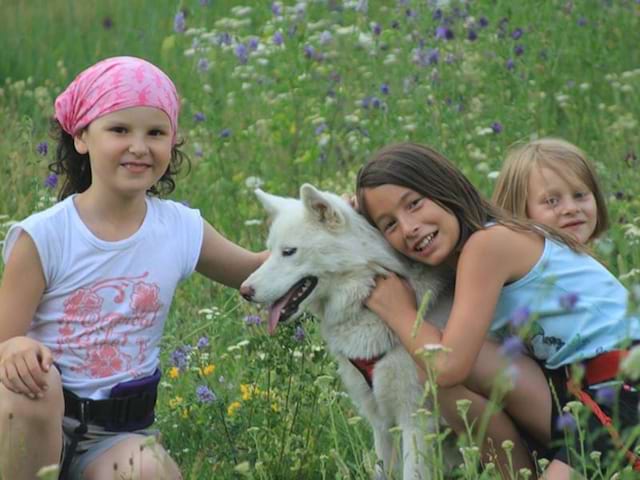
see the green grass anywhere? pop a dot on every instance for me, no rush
(294, 119)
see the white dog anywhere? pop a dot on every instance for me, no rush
(324, 258)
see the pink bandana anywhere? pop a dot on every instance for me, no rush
(114, 84)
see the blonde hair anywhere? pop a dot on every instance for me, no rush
(567, 160)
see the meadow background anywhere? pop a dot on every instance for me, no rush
(278, 94)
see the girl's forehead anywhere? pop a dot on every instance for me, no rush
(138, 115)
(552, 176)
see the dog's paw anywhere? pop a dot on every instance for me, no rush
(378, 471)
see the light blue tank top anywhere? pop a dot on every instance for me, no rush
(574, 308)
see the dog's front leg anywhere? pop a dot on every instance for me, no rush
(413, 453)
(383, 442)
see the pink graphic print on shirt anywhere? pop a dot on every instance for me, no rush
(99, 320)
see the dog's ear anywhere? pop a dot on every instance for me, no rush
(271, 203)
(321, 207)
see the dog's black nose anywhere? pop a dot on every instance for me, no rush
(247, 293)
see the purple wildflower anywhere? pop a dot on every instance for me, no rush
(376, 29)
(205, 395)
(203, 65)
(512, 347)
(242, 53)
(42, 148)
(516, 34)
(277, 38)
(582, 21)
(472, 35)
(325, 37)
(203, 342)
(518, 50)
(51, 181)
(320, 128)
(199, 117)
(444, 33)
(437, 14)
(483, 22)
(253, 43)
(107, 23)
(276, 8)
(510, 64)
(179, 357)
(251, 320)
(224, 38)
(520, 316)
(384, 89)
(179, 23)
(606, 395)
(309, 51)
(299, 334)
(568, 301)
(566, 422)
(496, 127)
(225, 133)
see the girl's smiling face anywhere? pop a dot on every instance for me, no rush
(129, 149)
(413, 224)
(571, 207)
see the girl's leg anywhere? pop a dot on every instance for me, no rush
(31, 430)
(499, 427)
(134, 457)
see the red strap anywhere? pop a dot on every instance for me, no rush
(365, 366)
(604, 367)
(605, 420)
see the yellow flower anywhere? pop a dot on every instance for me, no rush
(174, 402)
(275, 407)
(174, 372)
(233, 406)
(208, 370)
(248, 391)
(186, 412)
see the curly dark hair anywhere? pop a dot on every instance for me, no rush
(76, 170)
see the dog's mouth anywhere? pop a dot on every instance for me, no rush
(288, 304)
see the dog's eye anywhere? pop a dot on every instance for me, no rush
(287, 252)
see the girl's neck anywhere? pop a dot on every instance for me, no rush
(110, 218)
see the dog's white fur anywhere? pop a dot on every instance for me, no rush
(320, 235)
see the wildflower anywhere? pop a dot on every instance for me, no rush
(606, 395)
(51, 181)
(376, 29)
(208, 370)
(205, 395)
(483, 22)
(444, 33)
(179, 24)
(42, 148)
(203, 342)
(582, 22)
(510, 64)
(199, 117)
(512, 347)
(566, 422)
(520, 316)
(233, 406)
(309, 51)
(472, 35)
(175, 402)
(174, 372)
(568, 300)
(518, 50)
(277, 38)
(226, 133)
(253, 43)
(107, 23)
(516, 34)
(299, 334)
(276, 8)
(496, 127)
(253, 182)
(242, 54)
(203, 65)
(247, 391)
(251, 320)
(197, 150)
(179, 357)
(325, 37)
(384, 89)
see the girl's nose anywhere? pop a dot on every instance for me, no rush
(569, 207)
(138, 148)
(410, 229)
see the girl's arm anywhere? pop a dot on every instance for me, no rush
(489, 259)
(23, 361)
(225, 262)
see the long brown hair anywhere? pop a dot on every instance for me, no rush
(428, 172)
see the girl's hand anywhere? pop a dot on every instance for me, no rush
(392, 298)
(23, 365)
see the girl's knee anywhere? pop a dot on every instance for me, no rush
(48, 408)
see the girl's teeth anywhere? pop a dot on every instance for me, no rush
(427, 240)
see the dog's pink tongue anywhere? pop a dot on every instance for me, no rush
(274, 314)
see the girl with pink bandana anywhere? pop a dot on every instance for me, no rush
(89, 282)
